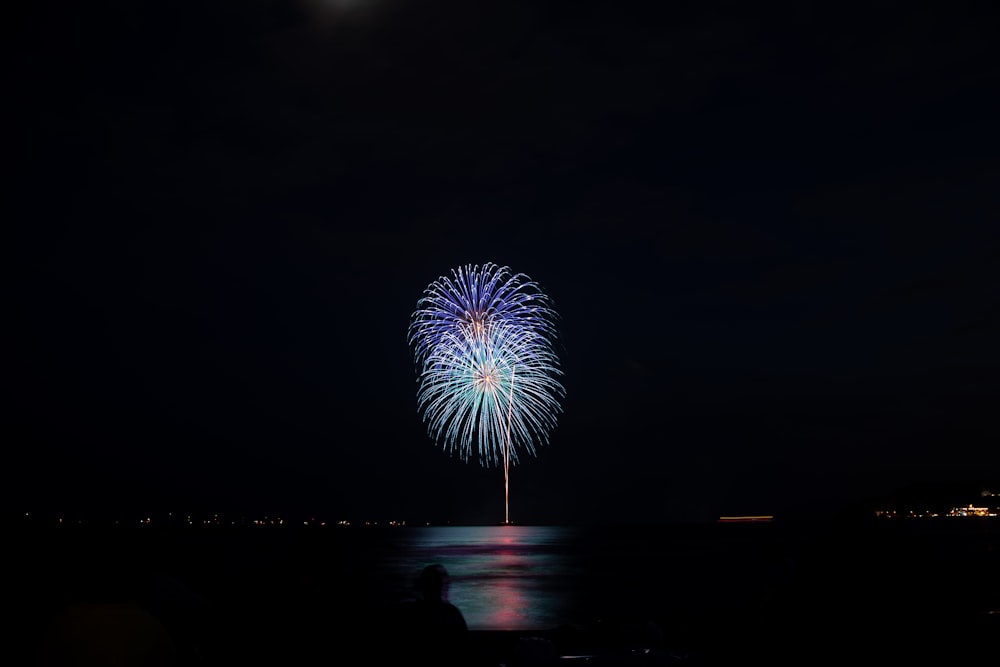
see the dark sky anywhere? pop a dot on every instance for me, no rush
(771, 234)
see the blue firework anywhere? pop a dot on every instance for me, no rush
(483, 341)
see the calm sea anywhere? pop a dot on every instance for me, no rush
(533, 577)
(733, 585)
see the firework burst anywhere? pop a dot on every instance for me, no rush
(487, 369)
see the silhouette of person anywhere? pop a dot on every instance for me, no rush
(431, 626)
(437, 612)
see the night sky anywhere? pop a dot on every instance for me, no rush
(771, 235)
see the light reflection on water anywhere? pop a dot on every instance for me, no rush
(502, 577)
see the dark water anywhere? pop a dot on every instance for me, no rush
(532, 577)
(502, 577)
(723, 590)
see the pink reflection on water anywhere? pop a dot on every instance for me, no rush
(502, 577)
(510, 606)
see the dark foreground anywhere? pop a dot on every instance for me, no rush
(896, 592)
